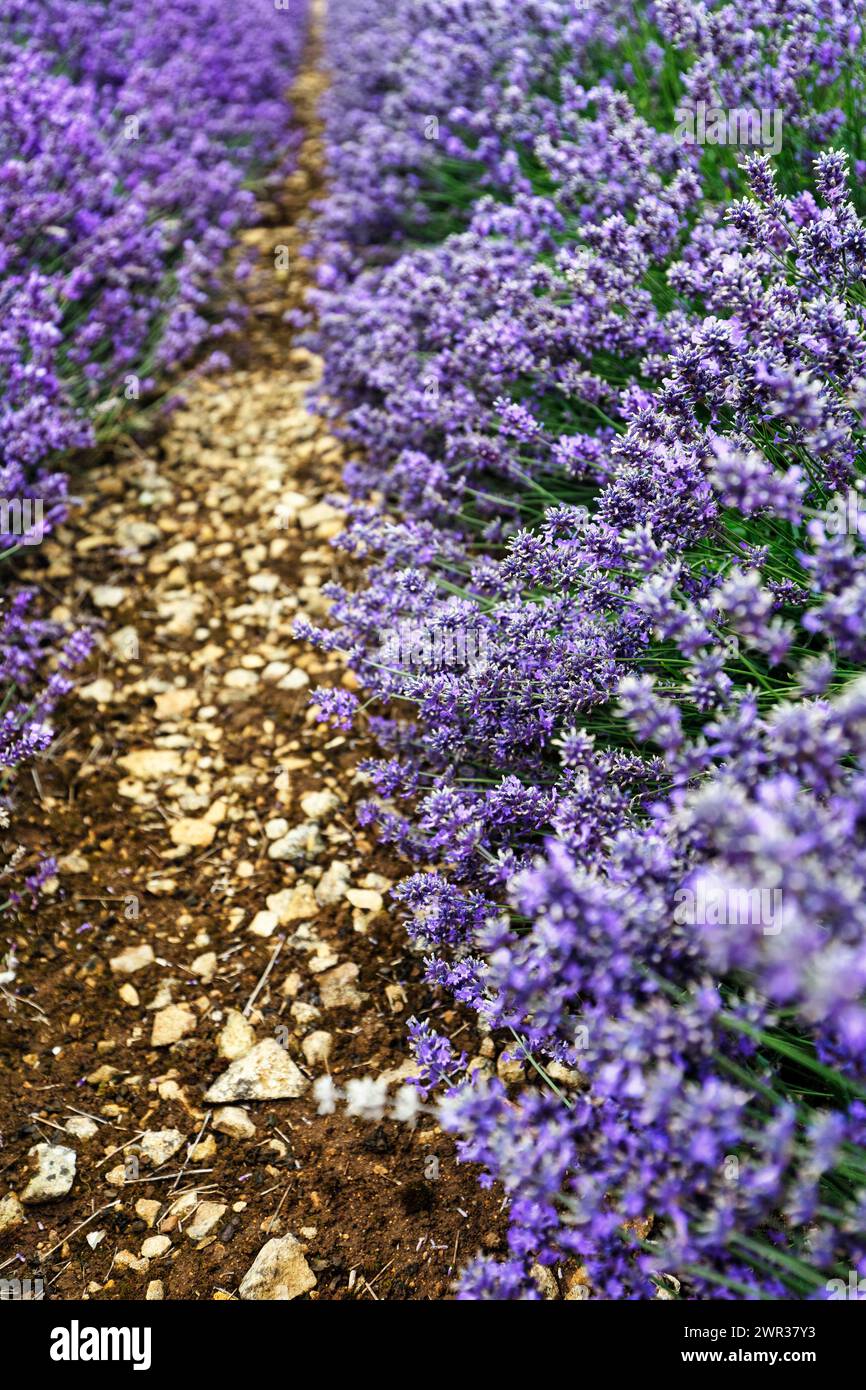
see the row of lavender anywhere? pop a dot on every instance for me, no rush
(129, 136)
(606, 370)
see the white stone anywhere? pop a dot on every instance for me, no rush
(80, 1127)
(266, 582)
(108, 595)
(148, 1210)
(181, 553)
(196, 834)
(237, 1036)
(331, 887)
(264, 924)
(279, 1272)
(157, 1146)
(149, 764)
(154, 1246)
(205, 966)
(301, 843)
(54, 1176)
(171, 704)
(316, 805)
(208, 1215)
(239, 679)
(11, 1213)
(162, 887)
(125, 1259)
(319, 513)
(74, 863)
(132, 958)
(296, 679)
(183, 611)
(124, 643)
(171, 1024)
(100, 690)
(234, 1122)
(265, 1073)
(368, 899)
(137, 534)
(296, 904)
(324, 958)
(275, 670)
(275, 829)
(304, 1014)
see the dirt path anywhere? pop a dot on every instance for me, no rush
(187, 763)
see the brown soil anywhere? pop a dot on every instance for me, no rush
(236, 552)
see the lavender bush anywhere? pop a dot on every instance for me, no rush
(607, 380)
(131, 141)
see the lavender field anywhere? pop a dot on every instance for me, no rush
(434, 596)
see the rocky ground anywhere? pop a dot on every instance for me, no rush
(216, 936)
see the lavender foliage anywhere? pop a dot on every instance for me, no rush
(607, 385)
(131, 142)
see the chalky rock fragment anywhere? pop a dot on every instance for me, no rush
(54, 1176)
(266, 1072)
(279, 1272)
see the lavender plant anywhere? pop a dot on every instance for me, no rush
(611, 414)
(131, 144)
